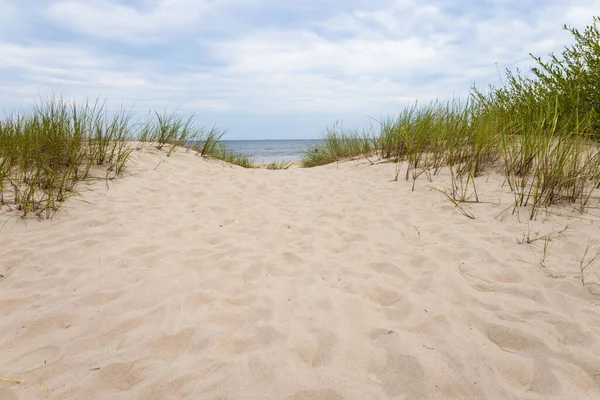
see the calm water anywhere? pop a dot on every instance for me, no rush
(269, 150)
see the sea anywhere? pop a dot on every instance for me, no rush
(268, 150)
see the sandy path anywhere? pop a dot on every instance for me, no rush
(192, 279)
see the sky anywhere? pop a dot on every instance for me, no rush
(272, 69)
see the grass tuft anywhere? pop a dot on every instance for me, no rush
(337, 145)
(47, 151)
(278, 165)
(588, 260)
(541, 132)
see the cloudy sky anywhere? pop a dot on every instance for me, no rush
(272, 68)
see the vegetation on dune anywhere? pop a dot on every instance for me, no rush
(223, 154)
(278, 165)
(45, 152)
(338, 144)
(172, 130)
(572, 80)
(540, 131)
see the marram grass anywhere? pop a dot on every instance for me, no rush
(47, 151)
(174, 131)
(337, 145)
(540, 132)
(278, 165)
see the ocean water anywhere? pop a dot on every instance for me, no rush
(270, 150)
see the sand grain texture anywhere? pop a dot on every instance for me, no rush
(193, 279)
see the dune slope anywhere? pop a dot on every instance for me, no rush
(194, 279)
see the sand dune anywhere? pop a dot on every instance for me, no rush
(193, 279)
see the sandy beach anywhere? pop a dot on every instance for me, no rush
(194, 279)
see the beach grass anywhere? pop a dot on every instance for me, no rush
(338, 144)
(46, 151)
(278, 165)
(588, 260)
(541, 132)
(172, 130)
(230, 157)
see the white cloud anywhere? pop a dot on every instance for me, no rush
(110, 19)
(304, 52)
(369, 60)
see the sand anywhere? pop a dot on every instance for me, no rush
(192, 279)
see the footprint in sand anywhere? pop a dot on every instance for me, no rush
(170, 347)
(401, 375)
(513, 340)
(521, 345)
(122, 376)
(389, 268)
(317, 349)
